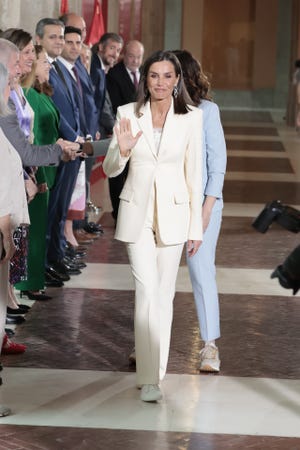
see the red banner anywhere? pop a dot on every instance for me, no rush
(64, 7)
(97, 25)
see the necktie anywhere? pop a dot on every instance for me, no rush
(74, 70)
(135, 80)
(60, 74)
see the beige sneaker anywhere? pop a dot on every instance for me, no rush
(209, 359)
(151, 393)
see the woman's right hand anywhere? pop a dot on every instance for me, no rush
(126, 140)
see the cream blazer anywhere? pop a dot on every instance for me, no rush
(175, 174)
(12, 188)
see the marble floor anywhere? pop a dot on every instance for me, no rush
(74, 389)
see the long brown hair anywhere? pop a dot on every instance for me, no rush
(45, 87)
(181, 100)
(196, 81)
(21, 39)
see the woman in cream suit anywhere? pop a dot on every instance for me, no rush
(13, 205)
(160, 204)
(202, 267)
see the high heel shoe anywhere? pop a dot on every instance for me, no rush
(18, 311)
(285, 281)
(11, 348)
(36, 297)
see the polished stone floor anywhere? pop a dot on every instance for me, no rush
(74, 389)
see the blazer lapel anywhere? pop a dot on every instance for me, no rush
(145, 124)
(170, 129)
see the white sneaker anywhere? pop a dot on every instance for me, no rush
(151, 393)
(132, 357)
(4, 411)
(209, 359)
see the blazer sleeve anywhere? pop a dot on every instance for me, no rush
(215, 147)
(100, 147)
(193, 174)
(114, 91)
(31, 155)
(5, 186)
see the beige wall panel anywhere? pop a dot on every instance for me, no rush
(192, 22)
(265, 44)
(153, 25)
(113, 16)
(26, 13)
(227, 53)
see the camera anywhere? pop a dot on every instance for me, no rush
(275, 211)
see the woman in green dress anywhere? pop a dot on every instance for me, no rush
(45, 128)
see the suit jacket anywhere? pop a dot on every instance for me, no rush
(99, 81)
(102, 98)
(66, 103)
(174, 173)
(31, 155)
(12, 191)
(88, 91)
(214, 152)
(120, 86)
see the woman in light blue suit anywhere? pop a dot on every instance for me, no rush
(202, 265)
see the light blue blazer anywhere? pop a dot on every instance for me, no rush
(214, 153)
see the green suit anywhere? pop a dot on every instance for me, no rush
(45, 128)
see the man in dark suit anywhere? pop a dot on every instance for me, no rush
(50, 34)
(122, 82)
(122, 79)
(74, 20)
(105, 55)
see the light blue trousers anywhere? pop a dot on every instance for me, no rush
(202, 271)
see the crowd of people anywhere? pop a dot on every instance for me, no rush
(62, 105)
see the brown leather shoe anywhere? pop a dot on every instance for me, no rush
(84, 238)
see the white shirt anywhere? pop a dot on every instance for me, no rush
(67, 65)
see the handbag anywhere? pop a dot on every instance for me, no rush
(18, 263)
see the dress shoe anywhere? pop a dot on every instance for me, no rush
(73, 263)
(51, 270)
(50, 281)
(37, 297)
(65, 269)
(9, 332)
(11, 348)
(93, 228)
(73, 253)
(84, 238)
(21, 305)
(77, 248)
(14, 320)
(18, 311)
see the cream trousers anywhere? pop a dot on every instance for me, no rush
(154, 267)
